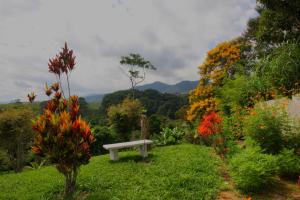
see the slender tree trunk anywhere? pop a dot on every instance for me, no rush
(18, 155)
(60, 85)
(132, 88)
(70, 184)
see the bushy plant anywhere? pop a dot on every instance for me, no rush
(232, 125)
(289, 164)
(169, 136)
(61, 135)
(4, 161)
(125, 117)
(243, 91)
(210, 128)
(155, 124)
(265, 125)
(251, 169)
(210, 124)
(16, 135)
(233, 94)
(291, 135)
(103, 135)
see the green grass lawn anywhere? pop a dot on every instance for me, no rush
(174, 172)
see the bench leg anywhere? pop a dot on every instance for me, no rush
(143, 151)
(113, 154)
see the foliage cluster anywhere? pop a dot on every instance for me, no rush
(278, 21)
(252, 170)
(169, 136)
(211, 129)
(289, 164)
(103, 135)
(16, 136)
(266, 126)
(210, 125)
(282, 68)
(61, 135)
(242, 92)
(136, 64)
(217, 66)
(153, 101)
(125, 117)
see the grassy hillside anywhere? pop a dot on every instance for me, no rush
(174, 172)
(34, 106)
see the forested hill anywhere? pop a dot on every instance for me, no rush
(153, 101)
(182, 87)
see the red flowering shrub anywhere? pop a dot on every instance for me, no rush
(61, 135)
(210, 124)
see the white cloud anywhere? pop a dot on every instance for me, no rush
(173, 34)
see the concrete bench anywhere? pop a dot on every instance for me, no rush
(113, 148)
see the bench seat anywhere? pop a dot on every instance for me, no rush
(113, 148)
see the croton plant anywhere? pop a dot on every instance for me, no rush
(62, 136)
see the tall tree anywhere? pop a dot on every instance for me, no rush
(279, 20)
(282, 68)
(137, 66)
(218, 65)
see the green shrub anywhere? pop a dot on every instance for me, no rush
(169, 136)
(289, 164)
(4, 161)
(16, 135)
(155, 124)
(233, 94)
(103, 135)
(232, 125)
(266, 126)
(125, 117)
(291, 135)
(251, 169)
(243, 91)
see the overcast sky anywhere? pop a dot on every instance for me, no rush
(173, 34)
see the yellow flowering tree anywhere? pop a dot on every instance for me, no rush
(218, 64)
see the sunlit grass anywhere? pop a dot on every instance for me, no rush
(175, 172)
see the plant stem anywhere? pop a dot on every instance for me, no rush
(68, 85)
(60, 85)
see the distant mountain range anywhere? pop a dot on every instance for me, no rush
(182, 87)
